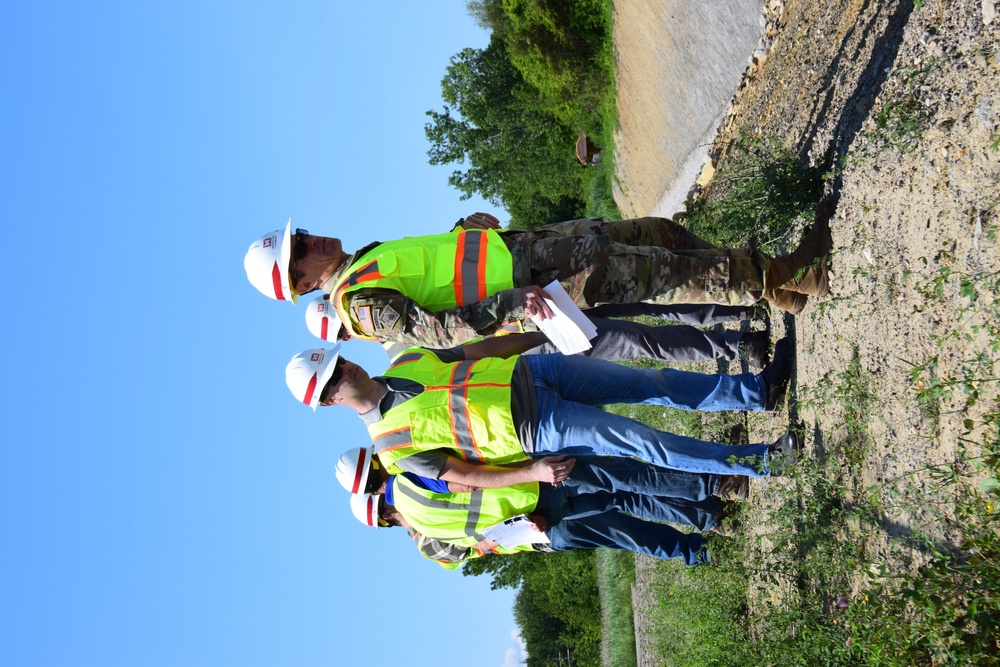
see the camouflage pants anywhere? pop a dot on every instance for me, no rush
(595, 268)
(648, 231)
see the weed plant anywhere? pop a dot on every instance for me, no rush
(840, 570)
(756, 197)
(901, 121)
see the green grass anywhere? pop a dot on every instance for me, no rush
(615, 578)
(694, 623)
(807, 587)
(825, 577)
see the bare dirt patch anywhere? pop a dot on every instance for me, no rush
(905, 101)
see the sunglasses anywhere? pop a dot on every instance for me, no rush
(381, 509)
(338, 372)
(299, 247)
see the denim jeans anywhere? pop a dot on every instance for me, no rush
(568, 387)
(614, 530)
(600, 484)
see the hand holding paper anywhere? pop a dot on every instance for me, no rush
(567, 328)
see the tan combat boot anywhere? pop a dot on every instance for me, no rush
(815, 245)
(814, 281)
(791, 302)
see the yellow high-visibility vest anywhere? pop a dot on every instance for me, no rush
(464, 409)
(440, 271)
(460, 518)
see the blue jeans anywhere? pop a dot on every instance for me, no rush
(614, 530)
(568, 387)
(601, 484)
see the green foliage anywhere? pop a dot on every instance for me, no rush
(756, 196)
(902, 119)
(557, 606)
(694, 624)
(600, 199)
(515, 152)
(514, 110)
(556, 46)
(615, 578)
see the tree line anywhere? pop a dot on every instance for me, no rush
(513, 110)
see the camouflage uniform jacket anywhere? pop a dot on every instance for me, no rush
(626, 261)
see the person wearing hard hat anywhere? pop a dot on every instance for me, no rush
(571, 516)
(446, 289)
(359, 471)
(616, 340)
(597, 484)
(437, 413)
(592, 485)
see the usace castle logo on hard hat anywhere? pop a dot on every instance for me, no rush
(316, 356)
(268, 242)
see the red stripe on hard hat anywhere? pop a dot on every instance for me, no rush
(276, 279)
(368, 514)
(310, 388)
(323, 327)
(358, 470)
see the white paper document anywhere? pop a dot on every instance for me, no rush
(516, 531)
(568, 328)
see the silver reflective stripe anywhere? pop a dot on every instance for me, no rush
(412, 356)
(392, 439)
(475, 511)
(469, 270)
(474, 507)
(457, 401)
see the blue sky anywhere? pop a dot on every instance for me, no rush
(163, 498)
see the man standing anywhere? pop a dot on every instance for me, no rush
(438, 513)
(607, 503)
(438, 413)
(446, 289)
(616, 340)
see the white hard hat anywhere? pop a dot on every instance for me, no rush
(364, 506)
(353, 468)
(267, 262)
(308, 372)
(323, 320)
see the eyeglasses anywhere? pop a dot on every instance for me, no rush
(299, 247)
(338, 372)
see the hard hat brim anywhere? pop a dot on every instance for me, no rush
(324, 376)
(286, 261)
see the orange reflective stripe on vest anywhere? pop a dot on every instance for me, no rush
(470, 269)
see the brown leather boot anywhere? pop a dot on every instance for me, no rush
(791, 302)
(814, 281)
(817, 243)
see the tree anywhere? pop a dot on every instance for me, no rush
(516, 153)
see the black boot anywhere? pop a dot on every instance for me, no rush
(775, 376)
(783, 452)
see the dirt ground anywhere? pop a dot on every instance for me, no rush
(847, 78)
